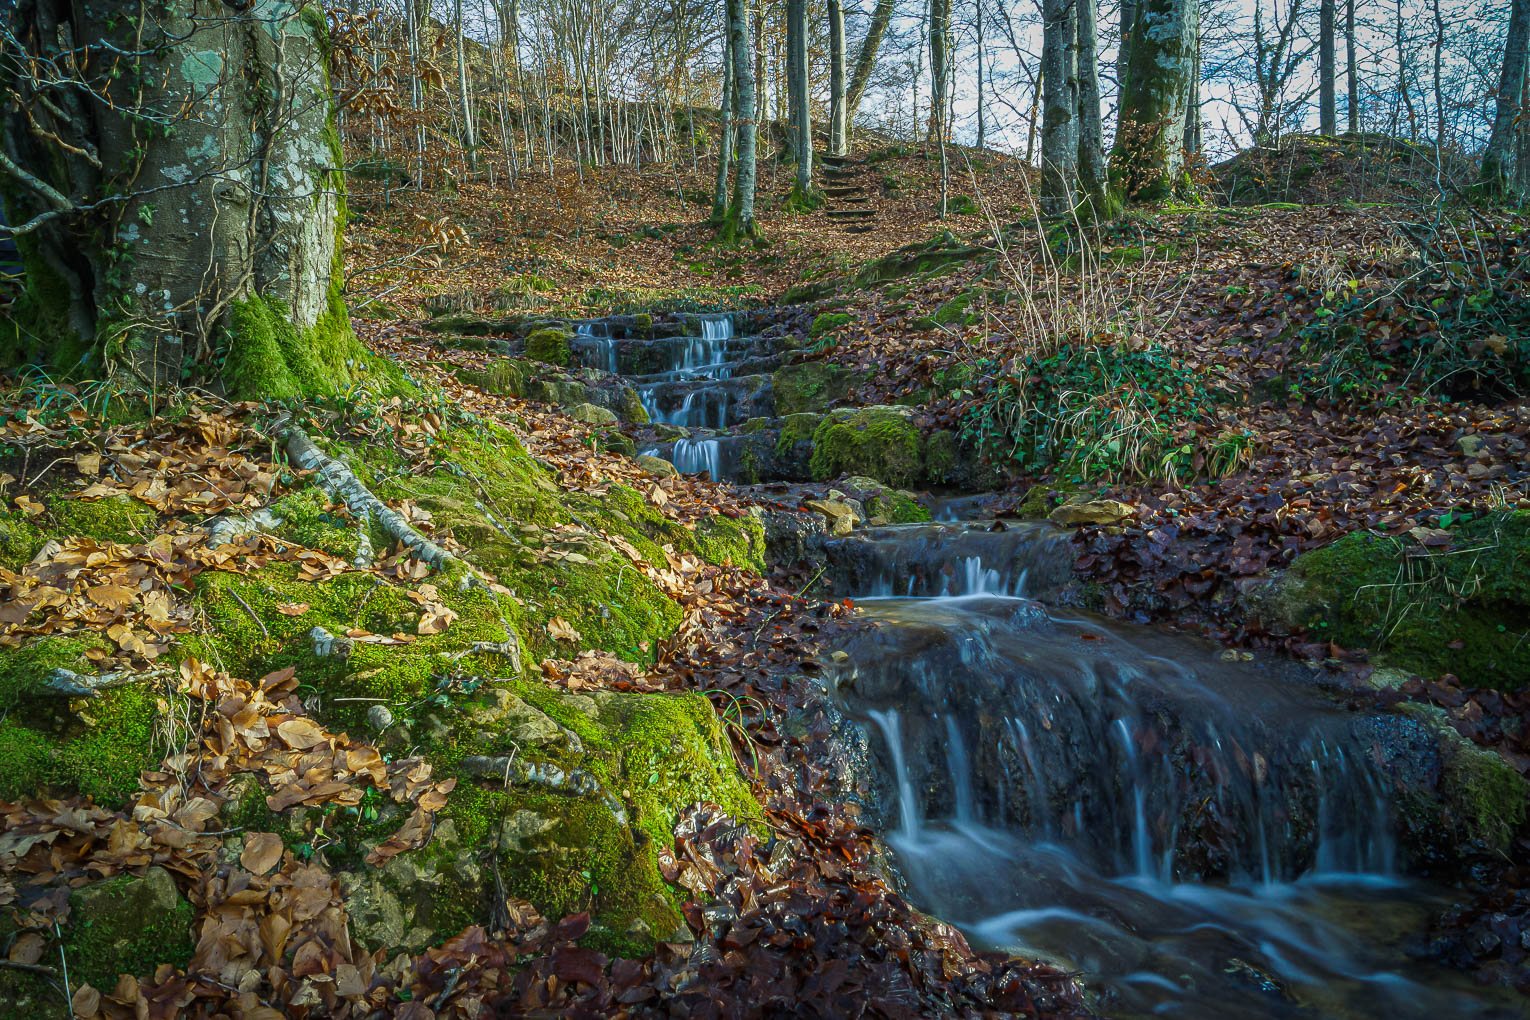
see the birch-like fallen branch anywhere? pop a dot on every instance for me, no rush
(342, 485)
(66, 683)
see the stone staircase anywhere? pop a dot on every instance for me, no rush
(850, 193)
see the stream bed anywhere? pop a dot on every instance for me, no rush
(1196, 837)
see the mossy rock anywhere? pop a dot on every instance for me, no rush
(954, 312)
(828, 322)
(941, 253)
(121, 925)
(880, 442)
(550, 345)
(1465, 611)
(812, 386)
(897, 507)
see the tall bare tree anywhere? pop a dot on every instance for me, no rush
(1328, 71)
(1147, 161)
(801, 110)
(1352, 66)
(1494, 178)
(839, 139)
(1091, 129)
(865, 63)
(940, 66)
(740, 219)
(1059, 117)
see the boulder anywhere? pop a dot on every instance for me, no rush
(1099, 511)
(656, 466)
(592, 414)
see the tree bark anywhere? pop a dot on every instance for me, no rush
(801, 113)
(1352, 64)
(1494, 177)
(740, 219)
(725, 143)
(469, 141)
(1328, 71)
(1059, 138)
(1147, 162)
(839, 139)
(1123, 53)
(940, 66)
(228, 211)
(865, 63)
(1091, 134)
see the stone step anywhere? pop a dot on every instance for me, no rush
(864, 228)
(852, 199)
(850, 213)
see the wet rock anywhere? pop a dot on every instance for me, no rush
(1100, 511)
(793, 537)
(592, 414)
(416, 898)
(127, 925)
(502, 712)
(841, 516)
(657, 465)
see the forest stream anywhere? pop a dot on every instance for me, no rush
(1192, 835)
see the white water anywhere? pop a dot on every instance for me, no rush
(603, 342)
(1096, 886)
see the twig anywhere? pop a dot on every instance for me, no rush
(64, 961)
(35, 968)
(258, 621)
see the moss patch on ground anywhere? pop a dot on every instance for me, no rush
(96, 747)
(1463, 610)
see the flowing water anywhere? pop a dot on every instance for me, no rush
(681, 395)
(1199, 838)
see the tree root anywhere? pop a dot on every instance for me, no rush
(66, 683)
(341, 484)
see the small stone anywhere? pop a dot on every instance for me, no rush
(1471, 444)
(592, 414)
(379, 717)
(864, 484)
(1100, 511)
(656, 466)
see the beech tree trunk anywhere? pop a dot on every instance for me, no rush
(1147, 162)
(1059, 135)
(940, 66)
(1091, 133)
(865, 63)
(740, 219)
(801, 112)
(1328, 71)
(725, 143)
(1352, 64)
(839, 139)
(228, 211)
(1494, 178)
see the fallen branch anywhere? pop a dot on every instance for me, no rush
(66, 683)
(341, 484)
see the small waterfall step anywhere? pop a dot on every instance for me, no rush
(1197, 838)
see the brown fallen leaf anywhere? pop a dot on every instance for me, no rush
(262, 852)
(292, 608)
(28, 948)
(435, 619)
(561, 629)
(300, 733)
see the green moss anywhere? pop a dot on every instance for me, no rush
(20, 539)
(876, 442)
(954, 312)
(897, 507)
(650, 756)
(127, 925)
(550, 345)
(307, 519)
(812, 386)
(1462, 612)
(1487, 796)
(116, 519)
(269, 357)
(21, 669)
(98, 752)
(796, 428)
(828, 322)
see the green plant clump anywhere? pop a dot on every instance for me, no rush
(1093, 412)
